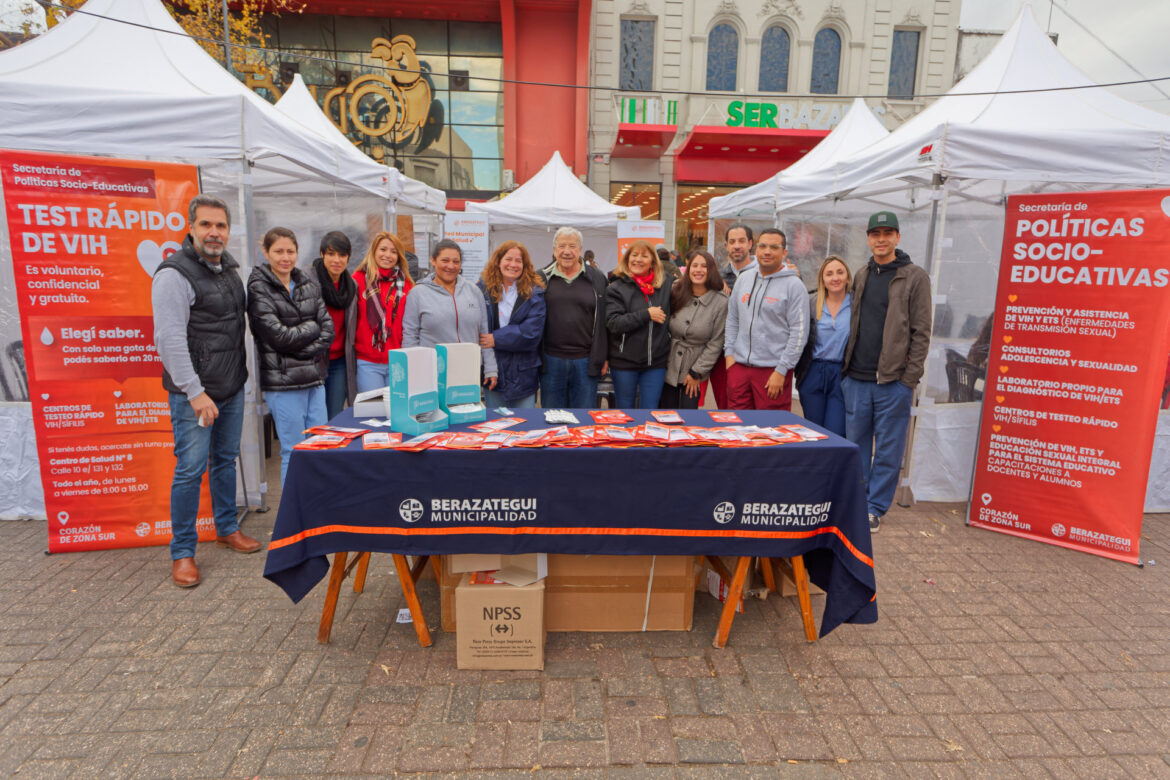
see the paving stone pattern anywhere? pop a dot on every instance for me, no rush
(993, 657)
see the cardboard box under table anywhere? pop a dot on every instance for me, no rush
(503, 625)
(602, 592)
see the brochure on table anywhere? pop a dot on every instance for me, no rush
(459, 382)
(414, 392)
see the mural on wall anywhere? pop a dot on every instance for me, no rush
(397, 109)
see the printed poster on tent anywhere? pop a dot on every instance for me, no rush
(1076, 368)
(629, 231)
(470, 232)
(87, 234)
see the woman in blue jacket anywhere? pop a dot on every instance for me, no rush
(514, 294)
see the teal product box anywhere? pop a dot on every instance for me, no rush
(459, 382)
(414, 392)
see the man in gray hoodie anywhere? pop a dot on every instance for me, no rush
(445, 308)
(767, 326)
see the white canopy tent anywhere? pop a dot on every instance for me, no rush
(858, 129)
(1024, 120)
(408, 195)
(120, 78)
(555, 197)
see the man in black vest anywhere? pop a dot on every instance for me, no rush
(198, 302)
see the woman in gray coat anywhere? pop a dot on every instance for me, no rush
(698, 309)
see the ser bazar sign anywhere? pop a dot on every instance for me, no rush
(795, 115)
(1077, 364)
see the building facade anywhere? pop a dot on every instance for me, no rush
(469, 96)
(698, 98)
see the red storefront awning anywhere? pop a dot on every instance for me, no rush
(740, 155)
(642, 140)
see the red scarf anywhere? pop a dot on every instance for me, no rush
(645, 284)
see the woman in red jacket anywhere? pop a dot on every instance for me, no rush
(383, 282)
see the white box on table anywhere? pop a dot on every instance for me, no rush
(414, 392)
(459, 390)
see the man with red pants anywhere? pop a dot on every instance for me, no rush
(767, 326)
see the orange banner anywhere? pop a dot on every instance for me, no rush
(1077, 361)
(87, 234)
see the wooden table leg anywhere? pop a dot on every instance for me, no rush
(800, 577)
(359, 579)
(734, 591)
(406, 578)
(718, 567)
(336, 575)
(769, 575)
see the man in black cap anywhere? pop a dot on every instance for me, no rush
(889, 336)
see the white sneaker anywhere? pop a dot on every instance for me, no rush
(875, 524)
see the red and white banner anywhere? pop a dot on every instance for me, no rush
(1077, 362)
(87, 234)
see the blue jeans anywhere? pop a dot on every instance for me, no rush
(566, 384)
(876, 419)
(293, 411)
(198, 450)
(372, 376)
(821, 398)
(637, 389)
(335, 387)
(492, 399)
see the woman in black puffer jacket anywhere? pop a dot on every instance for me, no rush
(637, 307)
(293, 331)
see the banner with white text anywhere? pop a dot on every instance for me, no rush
(1075, 372)
(87, 234)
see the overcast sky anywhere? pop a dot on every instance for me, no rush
(1138, 30)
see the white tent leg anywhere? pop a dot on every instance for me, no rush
(905, 496)
(251, 451)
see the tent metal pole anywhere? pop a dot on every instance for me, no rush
(935, 196)
(904, 495)
(253, 400)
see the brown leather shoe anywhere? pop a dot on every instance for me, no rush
(185, 573)
(238, 542)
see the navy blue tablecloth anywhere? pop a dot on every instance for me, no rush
(779, 501)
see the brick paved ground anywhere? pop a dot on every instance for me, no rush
(994, 657)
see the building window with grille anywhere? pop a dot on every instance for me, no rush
(775, 47)
(903, 64)
(826, 62)
(637, 55)
(722, 58)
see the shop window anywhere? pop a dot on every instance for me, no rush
(637, 55)
(775, 48)
(903, 64)
(826, 62)
(645, 196)
(722, 58)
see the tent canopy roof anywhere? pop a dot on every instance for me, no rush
(858, 129)
(121, 77)
(411, 196)
(554, 197)
(995, 125)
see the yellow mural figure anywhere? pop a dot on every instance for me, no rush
(394, 106)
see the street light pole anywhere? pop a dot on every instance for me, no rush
(227, 48)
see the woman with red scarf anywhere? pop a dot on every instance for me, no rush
(383, 282)
(637, 306)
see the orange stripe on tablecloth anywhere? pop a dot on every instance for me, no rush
(276, 544)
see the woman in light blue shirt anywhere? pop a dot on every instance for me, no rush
(819, 383)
